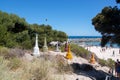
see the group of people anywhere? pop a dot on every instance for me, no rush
(117, 68)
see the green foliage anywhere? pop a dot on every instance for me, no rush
(118, 1)
(2, 35)
(16, 32)
(109, 62)
(79, 51)
(102, 62)
(107, 23)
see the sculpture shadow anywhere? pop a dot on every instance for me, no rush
(89, 71)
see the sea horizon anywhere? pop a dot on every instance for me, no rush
(89, 41)
(77, 37)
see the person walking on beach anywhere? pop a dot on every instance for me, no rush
(117, 68)
(113, 53)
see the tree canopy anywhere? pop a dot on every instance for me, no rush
(108, 24)
(16, 32)
(118, 1)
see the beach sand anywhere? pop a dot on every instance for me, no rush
(78, 60)
(105, 53)
(108, 53)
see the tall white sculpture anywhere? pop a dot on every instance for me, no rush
(36, 51)
(45, 48)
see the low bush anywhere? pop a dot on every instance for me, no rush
(102, 62)
(109, 62)
(79, 51)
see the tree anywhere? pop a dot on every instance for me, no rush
(16, 32)
(3, 32)
(108, 24)
(118, 1)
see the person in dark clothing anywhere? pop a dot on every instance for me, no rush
(113, 53)
(117, 68)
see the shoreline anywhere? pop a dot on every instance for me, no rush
(84, 39)
(104, 52)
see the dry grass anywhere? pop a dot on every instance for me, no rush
(14, 67)
(61, 65)
(11, 53)
(38, 69)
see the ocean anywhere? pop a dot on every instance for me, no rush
(78, 37)
(89, 41)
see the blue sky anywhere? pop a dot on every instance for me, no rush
(71, 16)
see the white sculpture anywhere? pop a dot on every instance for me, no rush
(57, 48)
(36, 51)
(45, 48)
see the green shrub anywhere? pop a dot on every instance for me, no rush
(110, 63)
(102, 62)
(79, 51)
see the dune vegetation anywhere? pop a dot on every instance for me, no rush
(15, 67)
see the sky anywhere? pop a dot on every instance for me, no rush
(74, 17)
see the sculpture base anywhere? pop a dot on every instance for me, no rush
(45, 49)
(36, 51)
